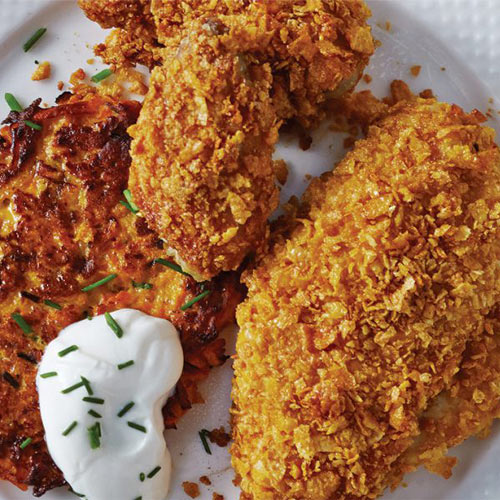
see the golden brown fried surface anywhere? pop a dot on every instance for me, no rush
(380, 305)
(62, 227)
(202, 170)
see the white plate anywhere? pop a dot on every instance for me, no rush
(459, 35)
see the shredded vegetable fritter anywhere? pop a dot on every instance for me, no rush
(63, 227)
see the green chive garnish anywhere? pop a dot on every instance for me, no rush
(102, 75)
(137, 427)
(54, 305)
(25, 443)
(98, 427)
(94, 414)
(126, 409)
(73, 388)
(143, 285)
(122, 366)
(138, 498)
(13, 102)
(128, 197)
(97, 401)
(126, 204)
(192, 302)
(22, 323)
(113, 325)
(94, 438)
(203, 436)
(154, 472)
(70, 428)
(142, 477)
(48, 374)
(171, 265)
(86, 383)
(34, 125)
(71, 490)
(34, 38)
(105, 280)
(66, 351)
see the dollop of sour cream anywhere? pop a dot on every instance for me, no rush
(131, 460)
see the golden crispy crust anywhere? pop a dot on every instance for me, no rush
(357, 323)
(202, 170)
(61, 228)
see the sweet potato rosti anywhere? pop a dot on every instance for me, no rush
(367, 336)
(231, 72)
(62, 227)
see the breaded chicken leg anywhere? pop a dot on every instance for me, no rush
(356, 326)
(202, 169)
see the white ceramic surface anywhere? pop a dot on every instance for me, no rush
(460, 35)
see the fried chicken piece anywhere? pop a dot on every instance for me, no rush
(62, 227)
(202, 170)
(372, 312)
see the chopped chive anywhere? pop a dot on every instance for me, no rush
(73, 388)
(48, 374)
(13, 102)
(105, 280)
(192, 302)
(126, 204)
(21, 323)
(66, 351)
(34, 125)
(27, 357)
(11, 380)
(143, 285)
(171, 265)
(203, 436)
(126, 409)
(94, 439)
(94, 414)
(30, 296)
(142, 477)
(154, 472)
(54, 305)
(128, 197)
(137, 427)
(122, 366)
(71, 490)
(113, 325)
(98, 427)
(97, 401)
(70, 428)
(25, 443)
(138, 498)
(86, 383)
(34, 38)
(102, 75)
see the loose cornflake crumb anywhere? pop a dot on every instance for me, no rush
(191, 489)
(220, 437)
(367, 78)
(216, 496)
(60, 85)
(205, 480)
(415, 70)
(42, 72)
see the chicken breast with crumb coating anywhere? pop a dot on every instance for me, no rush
(360, 322)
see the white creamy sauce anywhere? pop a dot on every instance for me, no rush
(112, 471)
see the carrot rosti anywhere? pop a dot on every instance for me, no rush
(65, 224)
(366, 338)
